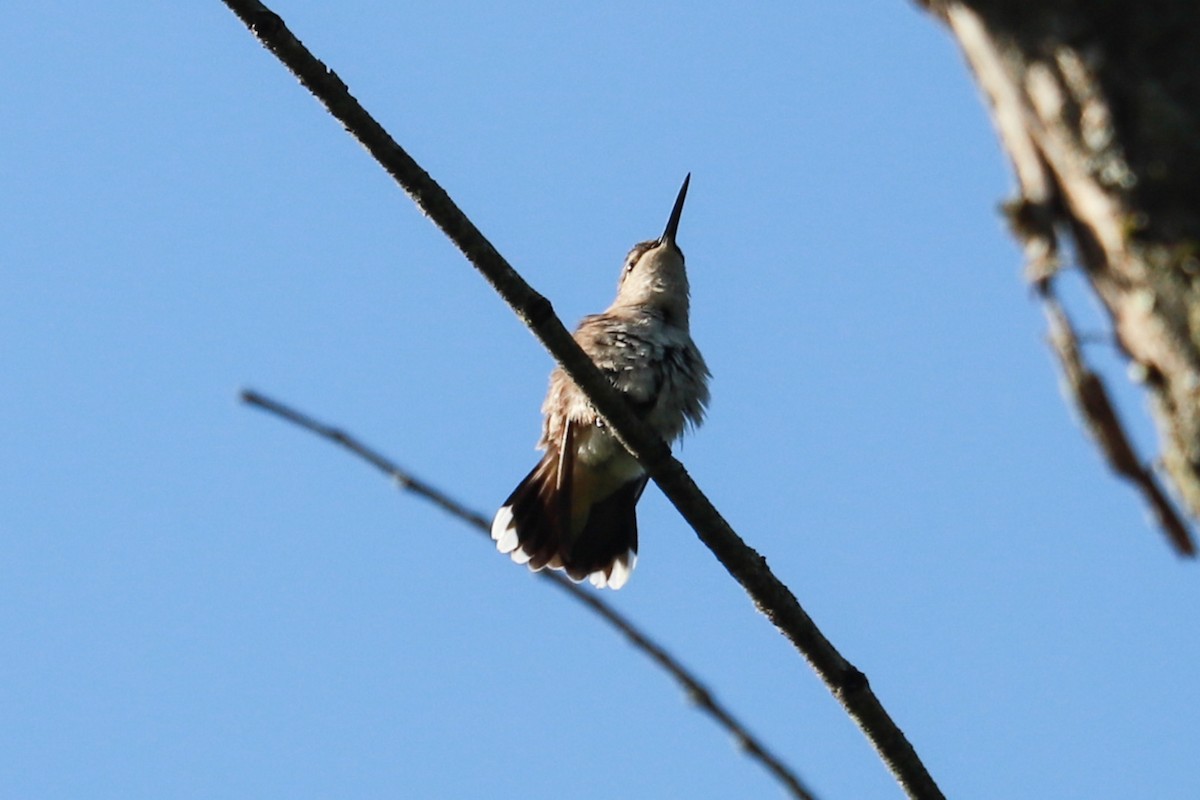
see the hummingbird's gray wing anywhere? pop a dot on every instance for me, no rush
(630, 358)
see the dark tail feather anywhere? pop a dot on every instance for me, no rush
(533, 525)
(607, 547)
(536, 517)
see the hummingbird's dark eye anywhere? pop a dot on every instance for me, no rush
(635, 255)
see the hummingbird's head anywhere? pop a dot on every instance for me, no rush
(654, 275)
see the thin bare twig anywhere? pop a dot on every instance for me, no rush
(774, 599)
(1090, 397)
(696, 691)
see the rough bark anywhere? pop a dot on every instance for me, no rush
(1097, 103)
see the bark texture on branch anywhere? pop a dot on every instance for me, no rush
(1097, 103)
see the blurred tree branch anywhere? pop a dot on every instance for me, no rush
(1098, 107)
(696, 691)
(750, 569)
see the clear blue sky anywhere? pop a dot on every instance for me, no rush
(198, 601)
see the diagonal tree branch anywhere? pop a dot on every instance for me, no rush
(696, 691)
(769, 594)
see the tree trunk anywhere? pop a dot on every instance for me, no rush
(1098, 107)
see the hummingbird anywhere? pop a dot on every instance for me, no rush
(576, 510)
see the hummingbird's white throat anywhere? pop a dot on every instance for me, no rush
(655, 277)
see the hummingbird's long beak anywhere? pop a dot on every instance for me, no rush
(673, 223)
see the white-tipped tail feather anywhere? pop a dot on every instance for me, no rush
(504, 532)
(617, 574)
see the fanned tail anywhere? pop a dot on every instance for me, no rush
(535, 524)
